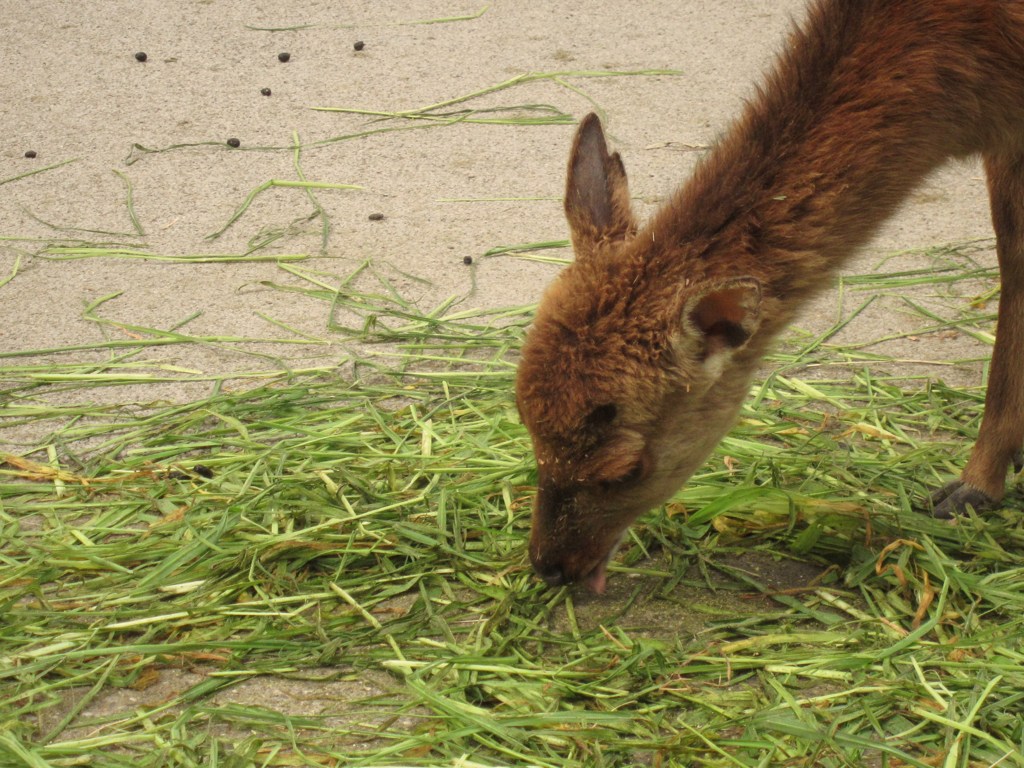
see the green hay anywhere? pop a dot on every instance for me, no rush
(302, 183)
(328, 527)
(13, 273)
(129, 203)
(445, 19)
(529, 252)
(433, 112)
(82, 230)
(37, 171)
(418, 22)
(68, 253)
(434, 115)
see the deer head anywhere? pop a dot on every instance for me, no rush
(636, 365)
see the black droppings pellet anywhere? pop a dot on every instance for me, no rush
(141, 56)
(283, 56)
(203, 471)
(467, 260)
(359, 45)
(265, 91)
(376, 217)
(234, 143)
(30, 154)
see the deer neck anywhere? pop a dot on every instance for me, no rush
(844, 129)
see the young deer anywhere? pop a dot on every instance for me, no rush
(643, 349)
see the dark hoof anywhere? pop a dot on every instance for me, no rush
(953, 500)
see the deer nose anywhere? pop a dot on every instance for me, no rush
(553, 576)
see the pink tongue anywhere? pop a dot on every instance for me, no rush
(596, 578)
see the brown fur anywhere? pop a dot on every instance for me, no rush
(643, 349)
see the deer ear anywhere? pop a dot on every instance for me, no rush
(596, 192)
(719, 320)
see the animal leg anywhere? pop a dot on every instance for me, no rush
(1001, 436)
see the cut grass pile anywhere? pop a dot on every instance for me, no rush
(371, 526)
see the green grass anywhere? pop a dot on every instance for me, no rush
(441, 113)
(414, 22)
(368, 524)
(447, 112)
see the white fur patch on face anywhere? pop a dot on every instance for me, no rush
(714, 364)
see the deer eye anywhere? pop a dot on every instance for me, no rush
(636, 473)
(633, 475)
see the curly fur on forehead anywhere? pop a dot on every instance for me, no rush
(601, 342)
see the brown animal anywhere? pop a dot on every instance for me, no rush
(643, 349)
